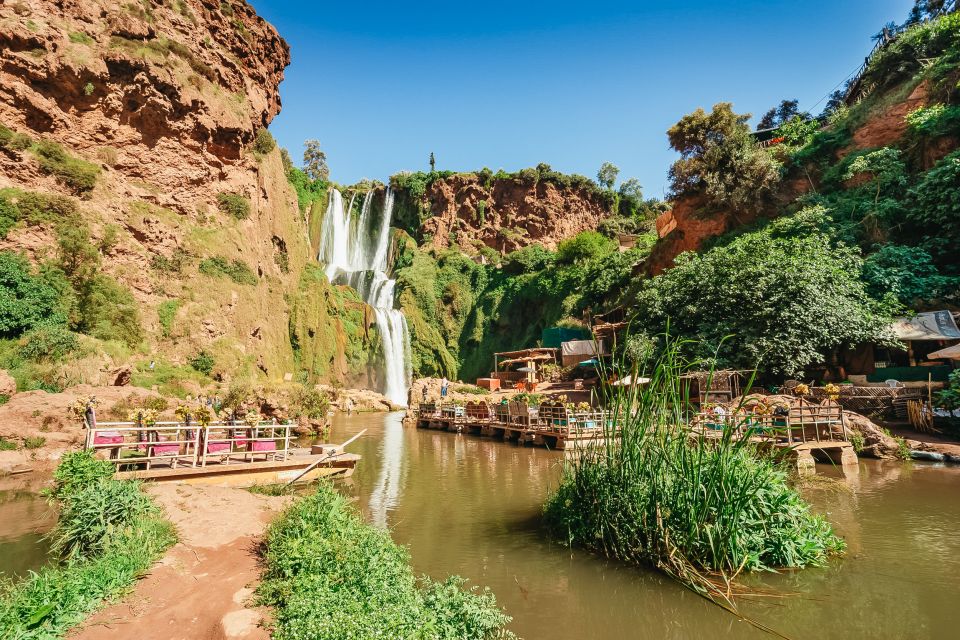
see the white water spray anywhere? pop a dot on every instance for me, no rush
(355, 251)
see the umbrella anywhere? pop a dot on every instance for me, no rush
(526, 369)
(952, 353)
(592, 362)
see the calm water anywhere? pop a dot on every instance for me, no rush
(470, 506)
(24, 517)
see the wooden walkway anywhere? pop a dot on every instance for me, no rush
(553, 426)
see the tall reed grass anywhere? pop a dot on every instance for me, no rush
(109, 533)
(331, 576)
(701, 509)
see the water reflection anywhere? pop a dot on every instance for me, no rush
(386, 492)
(471, 506)
(25, 517)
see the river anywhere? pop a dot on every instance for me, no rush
(470, 506)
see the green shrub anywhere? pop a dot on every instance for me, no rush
(6, 445)
(79, 175)
(203, 362)
(34, 209)
(234, 204)
(329, 575)
(13, 141)
(80, 37)
(263, 143)
(311, 403)
(583, 247)
(29, 298)
(221, 267)
(529, 259)
(34, 442)
(166, 313)
(48, 342)
(108, 311)
(935, 120)
(174, 264)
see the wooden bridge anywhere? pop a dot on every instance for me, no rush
(553, 424)
(803, 431)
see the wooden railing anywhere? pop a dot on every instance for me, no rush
(802, 423)
(855, 89)
(177, 443)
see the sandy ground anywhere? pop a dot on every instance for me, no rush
(201, 589)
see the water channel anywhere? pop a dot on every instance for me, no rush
(470, 506)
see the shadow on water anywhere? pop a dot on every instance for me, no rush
(471, 506)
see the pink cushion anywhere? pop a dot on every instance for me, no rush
(216, 447)
(264, 445)
(108, 440)
(165, 449)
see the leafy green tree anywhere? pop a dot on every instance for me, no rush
(786, 111)
(29, 299)
(907, 273)
(784, 297)
(934, 211)
(631, 188)
(315, 161)
(607, 175)
(719, 159)
(886, 170)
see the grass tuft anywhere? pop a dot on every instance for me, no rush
(330, 575)
(109, 533)
(702, 510)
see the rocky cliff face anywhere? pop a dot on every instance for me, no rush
(506, 214)
(881, 123)
(164, 94)
(166, 100)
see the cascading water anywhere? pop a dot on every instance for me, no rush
(355, 251)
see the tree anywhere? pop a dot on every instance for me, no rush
(433, 163)
(719, 159)
(781, 298)
(607, 174)
(631, 188)
(784, 112)
(315, 161)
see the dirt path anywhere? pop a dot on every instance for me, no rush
(201, 589)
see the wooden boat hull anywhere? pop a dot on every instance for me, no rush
(248, 474)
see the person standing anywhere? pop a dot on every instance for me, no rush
(443, 387)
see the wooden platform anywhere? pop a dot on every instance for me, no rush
(248, 474)
(558, 439)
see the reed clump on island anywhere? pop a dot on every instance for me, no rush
(330, 575)
(700, 509)
(109, 533)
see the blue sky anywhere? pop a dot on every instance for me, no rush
(510, 84)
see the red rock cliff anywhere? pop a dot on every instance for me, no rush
(165, 93)
(515, 212)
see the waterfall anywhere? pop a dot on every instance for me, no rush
(354, 250)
